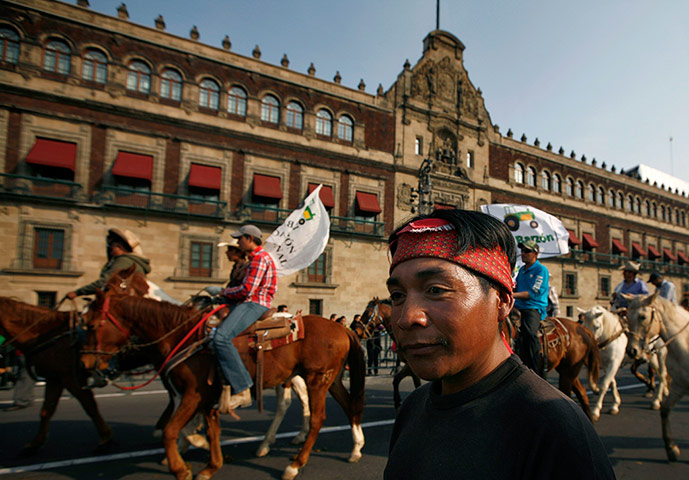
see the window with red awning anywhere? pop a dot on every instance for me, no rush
(205, 176)
(267, 187)
(53, 153)
(618, 247)
(653, 253)
(133, 165)
(326, 194)
(638, 250)
(367, 204)
(589, 241)
(573, 239)
(668, 255)
(682, 258)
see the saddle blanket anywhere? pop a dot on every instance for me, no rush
(264, 339)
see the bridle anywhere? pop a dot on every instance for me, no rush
(649, 341)
(104, 317)
(375, 316)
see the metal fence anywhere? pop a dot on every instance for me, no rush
(381, 347)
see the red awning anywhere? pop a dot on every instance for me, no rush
(573, 239)
(652, 252)
(617, 246)
(135, 165)
(53, 153)
(589, 241)
(638, 250)
(682, 257)
(668, 254)
(205, 176)
(368, 202)
(326, 194)
(267, 186)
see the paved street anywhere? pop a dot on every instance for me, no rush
(632, 439)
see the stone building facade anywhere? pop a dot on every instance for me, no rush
(105, 123)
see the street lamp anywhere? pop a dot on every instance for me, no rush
(424, 190)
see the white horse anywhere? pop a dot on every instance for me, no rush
(612, 342)
(650, 316)
(189, 434)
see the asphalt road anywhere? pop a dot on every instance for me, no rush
(632, 438)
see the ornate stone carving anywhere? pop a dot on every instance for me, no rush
(404, 197)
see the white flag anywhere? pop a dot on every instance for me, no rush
(529, 223)
(300, 240)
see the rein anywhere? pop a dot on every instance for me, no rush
(106, 314)
(616, 335)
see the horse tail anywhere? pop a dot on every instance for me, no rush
(593, 358)
(357, 378)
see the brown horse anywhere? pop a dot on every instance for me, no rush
(46, 337)
(568, 346)
(378, 312)
(319, 358)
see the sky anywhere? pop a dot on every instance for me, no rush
(606, 79)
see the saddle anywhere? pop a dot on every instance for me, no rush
(552, 335)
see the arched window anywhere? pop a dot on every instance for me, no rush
(56, 57)
(662, 212)
(647, 208)
(579, 192)
(637, 205)
(611, 198)
(171, 85)
(270, 109)
(630, 203)
(545, 181)
(531, 176)
(295, 115)
(620, 201)
(95, 67)
(345, 128)
(569, 187)
(601, 195)
(9, 45)
(324, 123)
(677, 217)
(518, 173)
(236, 102)
(684, 219)
(557, 184)
(209, 94)
(139, 77)
(655, 210)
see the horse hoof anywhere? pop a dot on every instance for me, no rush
(595, 417)
(290, 473)
(298, 440)
(164, 461)
(655, 406)
(199, 441)
(262, 451)
(672, 453)
(614, 411)
(649, 394)
(185, 475)
(354, 458)
(29, 450)
(203, 476)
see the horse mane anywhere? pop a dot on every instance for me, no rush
(16, 311)
(386, 301)
(160, 316)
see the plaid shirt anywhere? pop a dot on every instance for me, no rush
(260, 282)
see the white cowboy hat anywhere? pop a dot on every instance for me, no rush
(129, 238)
(232, 242)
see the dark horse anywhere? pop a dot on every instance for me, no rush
(568, 346)
(319, 358)
(46, 338)
(378, 312)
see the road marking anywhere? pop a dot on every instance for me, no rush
(160, 451)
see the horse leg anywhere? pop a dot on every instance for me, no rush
(580, 392)
(671, 449)
(284, 398)
(317, 391)
(640, 376)
(339, 392)
(53, 390)
(608, 378)
(179, 418)
(299, 387)
(658, 361)
(165, 416)
(213, 431)
(88, 403)
(615, 409)
(396, 386)
(415, 379)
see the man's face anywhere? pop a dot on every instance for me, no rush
(629, 276)
(529, 257)
(444, 322)
(245, 243)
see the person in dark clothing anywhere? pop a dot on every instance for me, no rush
(484, 414)
(123, 250)
(373, 349)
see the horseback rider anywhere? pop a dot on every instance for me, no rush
(254, 296)
(531, 299)
(123, 250)
(630, 285)
(240, 262)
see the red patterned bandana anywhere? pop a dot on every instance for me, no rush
(434, 237)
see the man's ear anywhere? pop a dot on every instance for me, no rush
(505, 304)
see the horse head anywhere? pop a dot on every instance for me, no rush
(594, 319)
(644, 322)
(105, 332)
(128, 282)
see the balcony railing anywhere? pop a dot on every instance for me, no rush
(271, 215)
(159, 202)
(607, 260)
(40, 187)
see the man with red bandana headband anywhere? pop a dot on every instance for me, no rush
(483, 414)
